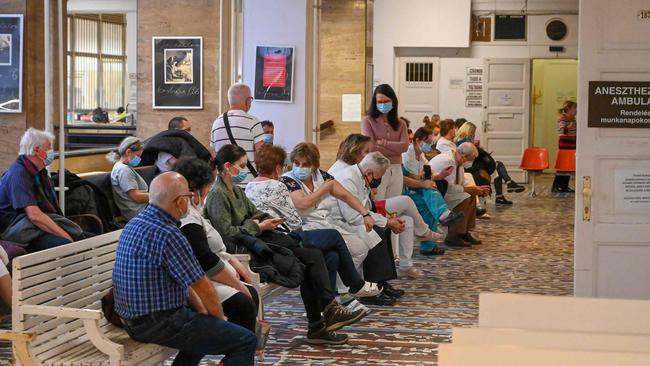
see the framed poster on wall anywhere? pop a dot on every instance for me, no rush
(11, 63)
(274, 74)
(177, 72)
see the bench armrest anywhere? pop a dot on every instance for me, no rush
(20, 341)
(61, 312)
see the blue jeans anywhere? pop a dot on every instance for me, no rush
(46, 241)
(194, 335)
(336, 254)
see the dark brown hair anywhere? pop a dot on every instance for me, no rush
(446, 125)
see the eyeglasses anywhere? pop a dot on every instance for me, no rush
(190, 195)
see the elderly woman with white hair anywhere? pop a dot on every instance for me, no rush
(130, 191)
(403, 218)
(29, 207)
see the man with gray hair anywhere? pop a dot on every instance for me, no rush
(156, 278)
(360, 180)
(460, 196)
(238, 127)
(29, 207)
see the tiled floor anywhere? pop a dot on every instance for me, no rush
(527, 249)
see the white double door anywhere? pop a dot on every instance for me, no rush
(612, 239)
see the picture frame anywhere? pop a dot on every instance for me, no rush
(177, 72)
(11, 63)
(274, 68)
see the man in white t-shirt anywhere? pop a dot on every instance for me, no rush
(165, 161)
(246, 129)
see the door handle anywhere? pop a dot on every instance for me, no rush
(586, 198)
(485, 127)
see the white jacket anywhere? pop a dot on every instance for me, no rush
(456, 180)
(348, 218)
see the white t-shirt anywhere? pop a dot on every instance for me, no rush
(246, 130)
(411, 162)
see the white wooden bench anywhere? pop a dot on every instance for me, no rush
(56, 310)
(456, 355)
(564, 313)
(552, 330)
(266, 290)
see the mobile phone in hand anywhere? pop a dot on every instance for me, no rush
(427, 172)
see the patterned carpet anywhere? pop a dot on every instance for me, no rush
(527, 248)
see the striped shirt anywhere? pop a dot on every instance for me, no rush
(154, 265)
(246, 129)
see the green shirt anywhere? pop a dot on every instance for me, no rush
(231, 212)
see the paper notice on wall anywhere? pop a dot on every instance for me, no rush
(351, 108)
(632, 189)
(456, 83)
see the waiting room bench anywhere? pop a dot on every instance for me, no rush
(56, 312)
(552, 330)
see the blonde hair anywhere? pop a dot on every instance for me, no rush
(466, 131)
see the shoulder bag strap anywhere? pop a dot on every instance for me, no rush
(226, 124)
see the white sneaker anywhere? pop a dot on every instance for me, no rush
(356, 305)
(369, 289)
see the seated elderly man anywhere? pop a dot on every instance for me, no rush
(29, 207)
(359, 179)
(460, 197)
(164, 148)
(156, 271)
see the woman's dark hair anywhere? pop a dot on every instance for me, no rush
(408, 123)
(388, 91)
(422, 133)
(459, 122)
(197, 172)
(268, 158)
(350, 147)
(228, 154)
(306, 150)
(446, 126)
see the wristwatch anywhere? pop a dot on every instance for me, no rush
(367, 214)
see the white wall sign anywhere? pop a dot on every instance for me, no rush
(456, 83)
(351, 107)
(632, 189)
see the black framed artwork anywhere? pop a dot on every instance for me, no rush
(11, 63)
(274, 74)
(177, 72)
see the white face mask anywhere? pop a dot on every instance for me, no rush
(467, 164)
(199, 206)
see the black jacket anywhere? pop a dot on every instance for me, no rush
(274, 263)
(177, 143)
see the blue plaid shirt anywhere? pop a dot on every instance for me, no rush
(154, 265)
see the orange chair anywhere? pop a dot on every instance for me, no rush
(565, 161)
(534, 161)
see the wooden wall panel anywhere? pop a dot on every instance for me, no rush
(178, 18)
(342, 41)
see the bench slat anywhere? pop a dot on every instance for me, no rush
(96, 288)
(65, 284)
(25, 274)
(25, 261)
(71, 268)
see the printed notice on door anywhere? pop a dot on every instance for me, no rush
(632, 189)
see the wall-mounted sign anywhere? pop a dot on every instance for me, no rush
(11, 63)
(619, 104)
(643, 14)
(177, 72)
(632, 189)
(274, 74)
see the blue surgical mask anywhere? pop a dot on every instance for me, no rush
(301, 173)
(385, 107)
(243, 173)
(135, 161)
(49, 158)
(425, 148)
(268, 138)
